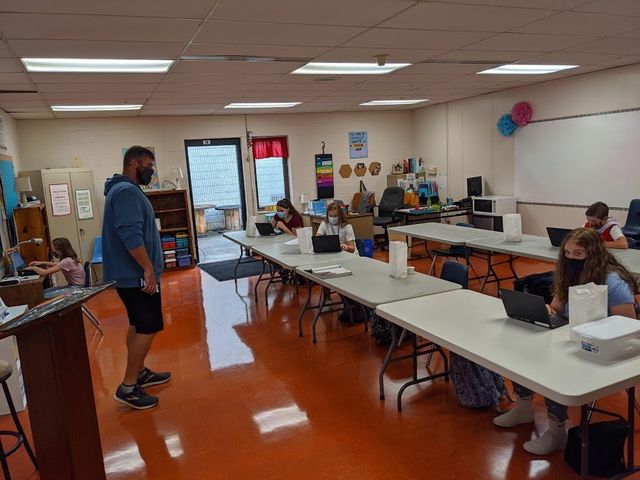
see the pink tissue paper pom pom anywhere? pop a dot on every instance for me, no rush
(521, 113)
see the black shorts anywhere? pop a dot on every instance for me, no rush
(144, 310)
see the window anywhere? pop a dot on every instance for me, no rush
(272, 178)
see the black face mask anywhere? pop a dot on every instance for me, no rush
(574, 267)
(144, 176)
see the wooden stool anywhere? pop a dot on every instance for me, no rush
(5, 372)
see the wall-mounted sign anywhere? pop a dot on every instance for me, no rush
(358, 145)
(84, 207)
(60, 202)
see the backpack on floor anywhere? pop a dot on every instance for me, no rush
(380, 330)
(606, 448)
(537, 284)
(475, 386)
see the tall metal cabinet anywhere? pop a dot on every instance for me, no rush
(69, 197)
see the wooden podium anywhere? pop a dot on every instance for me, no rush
(57, 379)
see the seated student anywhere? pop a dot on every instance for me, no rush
(336, 224)
(608, 228)
(583, 259)
(287, 218)
(69, 264)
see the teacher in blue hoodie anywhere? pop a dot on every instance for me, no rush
(132, 256)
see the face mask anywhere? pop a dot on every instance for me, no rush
(144, 175)
(334, 220)
(281, 215)
(574, 269)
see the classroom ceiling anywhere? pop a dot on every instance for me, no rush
(448, 41)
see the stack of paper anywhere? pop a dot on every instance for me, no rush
(331, 271)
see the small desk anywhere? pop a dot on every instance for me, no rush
(412, 215)
(27, 292)
(476, 327)
(362, 223)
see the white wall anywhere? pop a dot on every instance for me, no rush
(11, 139)
(97, 142)
(461, 138)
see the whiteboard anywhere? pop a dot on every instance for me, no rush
(578, 161)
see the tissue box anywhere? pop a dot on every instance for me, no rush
(608, 339)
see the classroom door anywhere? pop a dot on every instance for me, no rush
(215, 177)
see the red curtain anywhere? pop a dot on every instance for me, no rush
(270, 147)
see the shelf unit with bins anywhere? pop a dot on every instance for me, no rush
(171, 208)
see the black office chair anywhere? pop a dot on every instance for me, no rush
(631, 227)
(454, 251)
(392, 199)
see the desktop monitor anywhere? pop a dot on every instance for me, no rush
(474, 186)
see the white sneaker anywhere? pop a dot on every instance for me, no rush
(554, 439)
(521, 413)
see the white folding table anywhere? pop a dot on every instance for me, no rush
(476, 327)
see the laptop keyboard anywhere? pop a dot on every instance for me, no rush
(556, 320)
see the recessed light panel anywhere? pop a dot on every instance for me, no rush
(521, 69)
(263, 105)
(320, 68)
(93, 108)
(382, 103)
(95, 65)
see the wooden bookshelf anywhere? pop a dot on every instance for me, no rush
(172, 208)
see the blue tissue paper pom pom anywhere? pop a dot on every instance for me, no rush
(506, 125)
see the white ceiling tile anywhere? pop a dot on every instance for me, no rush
(32, 115)
(14, 78)
(96, 49)
(144, 8)
(10, 109)
(95, 98)
(203, 88)
(634, 34)
(611, 7)
(246, 33)
(25, 103)
(290, 51)
(96, 77)
(549, 4)
(412, 79)
(11, 65)
(573, 23)
(620, 46)
(235, 67)
(96, 27)
(622, 60)
(327, 12)
(217, 78)
(480, 18)
(12, 97)
(342, 54)
(485, 56)
(98, 88)
(419, 39)
(441, 69)
(17, 86)
(191, 100)
(5, 51)
(288, 87)
(522, 42)
(176, 112)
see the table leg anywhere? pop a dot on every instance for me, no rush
(255, 287)
(272, 275)
(387, 359)
(631, 420)
(489, 270)
(305, 307)
(324, 294)
(584, 442)
(235, 270)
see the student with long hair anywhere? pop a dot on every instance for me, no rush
(583, 259)
(287, 218)
(336, 223)
(69, 263)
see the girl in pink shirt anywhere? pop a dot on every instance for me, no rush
(69, 264)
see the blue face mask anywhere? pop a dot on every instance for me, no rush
(281, 215)
(334, 220)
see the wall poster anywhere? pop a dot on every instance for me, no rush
(60, 202)
(358, 145)
(84, 207)
(324, 175)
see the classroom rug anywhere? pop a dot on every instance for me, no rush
(223, 271)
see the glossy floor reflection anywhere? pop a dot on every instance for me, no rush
(249, 399)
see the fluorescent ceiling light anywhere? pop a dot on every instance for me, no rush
(263, 105)
(521, 69)
(93, 108)
(321, 68)
(95, 65)
(378, 103)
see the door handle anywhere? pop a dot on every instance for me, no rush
(82, 231)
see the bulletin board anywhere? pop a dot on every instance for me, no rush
(324, 175)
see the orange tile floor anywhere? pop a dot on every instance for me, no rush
(249, 399)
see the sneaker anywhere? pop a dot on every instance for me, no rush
(137, 398)
(149, 378)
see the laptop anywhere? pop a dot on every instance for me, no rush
(266, 229)
(326, 244)
(530, 308)
(556, 235)
(20, 268)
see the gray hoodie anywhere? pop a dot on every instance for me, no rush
(128, 223)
